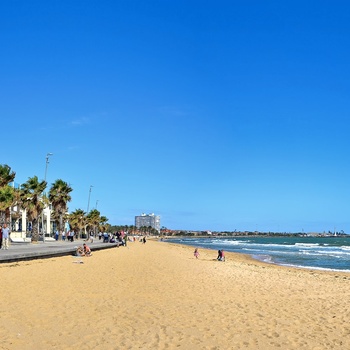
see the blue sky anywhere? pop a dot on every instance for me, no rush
(215, 115)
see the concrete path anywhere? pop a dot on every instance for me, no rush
(49, 249)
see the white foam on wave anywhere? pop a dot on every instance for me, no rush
(315, 268)
(312, 253)
(310, 245)
(231, 243)
(264, 258)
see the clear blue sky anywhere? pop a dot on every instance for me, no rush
(215, 115)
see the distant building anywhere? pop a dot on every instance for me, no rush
(148, 220)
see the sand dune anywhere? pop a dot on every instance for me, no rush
(158, 296)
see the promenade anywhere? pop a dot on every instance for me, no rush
(48, 249)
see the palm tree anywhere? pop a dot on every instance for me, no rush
(77, 220)
(6, 202)
(93, 219)
(59, 196)
(103, 223)
(33, 202)
(6, 176)
(6, 192)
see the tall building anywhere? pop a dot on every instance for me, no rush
(148, 220)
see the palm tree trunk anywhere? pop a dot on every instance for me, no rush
(35, 232)
(60, 224)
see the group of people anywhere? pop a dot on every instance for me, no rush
(120, 238)
(221, 254)
(69, 235)
(83, 251)
(4, 237)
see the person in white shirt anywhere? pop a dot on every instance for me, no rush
(5, 237)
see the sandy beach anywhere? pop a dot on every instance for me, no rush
(159, 296)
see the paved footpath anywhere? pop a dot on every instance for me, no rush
(47, 249)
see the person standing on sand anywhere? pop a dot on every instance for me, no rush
(196, 253)
(5, 236)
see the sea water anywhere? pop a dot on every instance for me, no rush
(326, 253)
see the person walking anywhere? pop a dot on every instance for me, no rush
(196, 253)
(5, 236)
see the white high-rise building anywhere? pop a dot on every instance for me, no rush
(148, 220)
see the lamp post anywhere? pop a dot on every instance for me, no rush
(47, 163)
(88, 207)
(96, 204)
(42, 217)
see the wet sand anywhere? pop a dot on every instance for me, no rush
(159, 296)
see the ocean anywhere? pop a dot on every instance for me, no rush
(323, 253)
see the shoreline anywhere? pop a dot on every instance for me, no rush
(250, 260)
(159, 296)
(267, 257)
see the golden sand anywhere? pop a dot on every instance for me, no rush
(158, 296)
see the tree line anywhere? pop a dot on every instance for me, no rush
(32, 197)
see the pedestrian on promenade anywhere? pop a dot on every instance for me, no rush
(71, 234)
(5, 237)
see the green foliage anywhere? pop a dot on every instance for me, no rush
(59, 196)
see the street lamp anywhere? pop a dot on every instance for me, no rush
(42, 217)
(47, 163)
(96, 204)
(88, 207)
